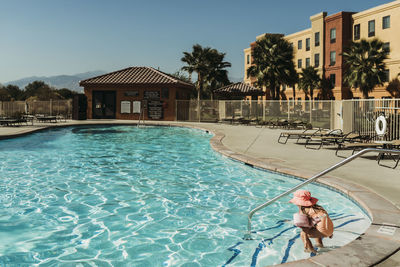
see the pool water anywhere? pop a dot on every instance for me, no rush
(153, 196)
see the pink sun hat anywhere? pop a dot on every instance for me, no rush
(303, 198)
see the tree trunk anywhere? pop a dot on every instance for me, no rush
(277, 92)
(294, 92)
(272, 90)
(365, 94)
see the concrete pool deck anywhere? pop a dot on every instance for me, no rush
(375, 187)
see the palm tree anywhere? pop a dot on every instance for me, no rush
(209, 65)
(272, 63)
(309, 80)
(294, 79)
(365, 65)
(326, 87)
(217, 75)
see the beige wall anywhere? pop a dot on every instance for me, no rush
(391, 35)
(247, 55)
(317, 25)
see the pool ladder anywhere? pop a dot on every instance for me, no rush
(381, 152)
(141, 116)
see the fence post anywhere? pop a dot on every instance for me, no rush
(263, 107)
(51, 107)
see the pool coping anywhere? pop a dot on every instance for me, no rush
(372, 247)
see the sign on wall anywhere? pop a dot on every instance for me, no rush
(151, 95)
(125, 107)
(132, 93)
(136, 106)
(155, 109)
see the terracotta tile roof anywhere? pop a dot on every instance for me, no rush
(135, 75)
(239, 89)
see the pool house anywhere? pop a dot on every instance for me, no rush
(134, 92)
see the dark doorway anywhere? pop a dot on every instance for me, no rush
(104, 105)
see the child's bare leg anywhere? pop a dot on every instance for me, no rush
(308, 247)
(318, 242)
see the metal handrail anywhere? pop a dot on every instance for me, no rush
(140, 115)
(312, 179)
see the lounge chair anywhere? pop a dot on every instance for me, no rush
(279, 123)
(46, 118)
(393, 144)
(306, 134)
(296, 124)
(285, 136)
(357, 146)
(334, 138)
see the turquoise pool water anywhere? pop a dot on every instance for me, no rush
(154, 196)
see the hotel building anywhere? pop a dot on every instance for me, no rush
(322, 44)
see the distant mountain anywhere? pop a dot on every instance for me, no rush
(60, 81)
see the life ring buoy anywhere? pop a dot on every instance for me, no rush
(380, 125)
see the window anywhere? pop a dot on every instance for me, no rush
(299, 44)
(317, 39)
(307, 62)
(299, 63)
(333, 35)
(386, 22)
(332, 78)
(387, 77)
(386, 47)
(316, 60)
(333, 58)
(248, 59)
(357, 32)
(371, 28)
(308, 44)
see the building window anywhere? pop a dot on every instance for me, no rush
(248, 59)
(307, 62)
(317, 39)
(386, 47)
(333, 35)
(299, 63)
(357, 32)
(299, 44)
(333, 58)
(316, 60)
(386, 22)
(308, 44)
(371, 28)
(332, 78)
(387, 76)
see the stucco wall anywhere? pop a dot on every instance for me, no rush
(391, 35)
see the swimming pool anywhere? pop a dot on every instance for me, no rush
(154, 196)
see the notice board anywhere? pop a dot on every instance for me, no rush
(155, 109)
(136, 107)
(125, 107)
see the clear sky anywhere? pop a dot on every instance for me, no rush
(53, 37)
